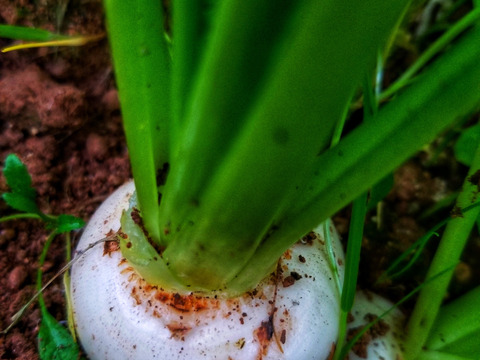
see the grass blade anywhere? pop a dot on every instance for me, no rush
(447, 38)
(66, 41)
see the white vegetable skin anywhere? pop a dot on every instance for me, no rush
(293, 315)
(383, 342)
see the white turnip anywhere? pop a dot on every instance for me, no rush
(292, 314)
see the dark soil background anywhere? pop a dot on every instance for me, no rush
(59, 113)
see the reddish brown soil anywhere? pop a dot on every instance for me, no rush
(59, 113)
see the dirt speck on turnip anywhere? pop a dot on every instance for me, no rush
(110, 246)
(309, 238)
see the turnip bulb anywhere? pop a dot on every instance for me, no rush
(292, 314)
(383, 341)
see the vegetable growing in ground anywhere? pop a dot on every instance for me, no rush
(228, 132)
(54, 340)
(229, 125)
(274, 320)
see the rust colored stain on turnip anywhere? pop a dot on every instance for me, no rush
(178, 330)
(263, 335)
(288, 281)
(180, 312)
(110, 246)
(309, 238)
(185, 303)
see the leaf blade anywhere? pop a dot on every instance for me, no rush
(66, 223)
(21, 203)
(22, 195)
(17, 176)
(55, 342)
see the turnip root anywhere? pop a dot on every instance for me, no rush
(383, 340)
(292, 314)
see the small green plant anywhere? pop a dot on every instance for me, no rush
(55, 342)
(22, 197)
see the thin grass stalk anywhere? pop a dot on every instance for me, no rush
(439, 45)
(355, 234)
(448, 254)
(352, 262)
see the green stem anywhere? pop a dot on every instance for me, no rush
(416, 249)
(352, 263)
(451, 246)
(21, 216)
(432, 51)
(332, 258)
(142, 69)
(355, 233)
(41, 262)
(66, 284)
(190, 26)
(232, 71)
(214, 217)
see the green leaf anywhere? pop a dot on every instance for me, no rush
(22, 195)
(17, 176)
(467, 144)
(142, 71)
(55, 342)
(27, 33)
(20, 202)
(66, 223)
